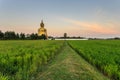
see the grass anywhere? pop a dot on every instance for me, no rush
(20, 60)
(68, 65)
(56, 60)
(103, 54)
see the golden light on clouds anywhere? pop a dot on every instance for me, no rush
(94, 27)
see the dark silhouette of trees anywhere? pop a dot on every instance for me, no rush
(33, 36)
(1, 35)
(43, 37)
(116, 38)
(28, 36)
(65, 35)
(22, 36)
(17, 36)
(9, 35)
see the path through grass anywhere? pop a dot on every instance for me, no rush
(68, 65)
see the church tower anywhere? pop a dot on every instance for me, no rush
(42, 31)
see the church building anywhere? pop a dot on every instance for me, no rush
(42, 32)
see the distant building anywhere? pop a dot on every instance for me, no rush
(42, 32)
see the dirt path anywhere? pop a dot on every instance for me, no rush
(68, 65)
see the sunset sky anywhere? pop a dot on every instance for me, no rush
(87, 18)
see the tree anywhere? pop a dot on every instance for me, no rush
(22, 36)
(65, 35)
(33, 36)
(42, 37)
(1, 35)
(28, 36)
(36, 36)
(17, 36)
(9, 35)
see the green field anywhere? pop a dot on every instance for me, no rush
(20, 60)
(60, 60)
(103, 54)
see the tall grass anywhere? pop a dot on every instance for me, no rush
(104, 54)
(20, 60)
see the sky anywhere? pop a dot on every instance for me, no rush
(85, 18)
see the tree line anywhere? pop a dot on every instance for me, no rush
(11, 35)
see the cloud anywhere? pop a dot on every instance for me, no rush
(94, 27)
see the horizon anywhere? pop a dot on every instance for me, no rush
(88, 18)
